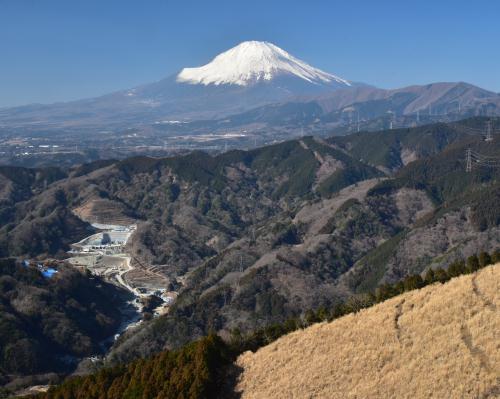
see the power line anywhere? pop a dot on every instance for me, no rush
(476, 154)
(467, 129)
(484, 161)
(458, 125)
(487, 165)
(474, 158)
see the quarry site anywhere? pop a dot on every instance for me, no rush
(105, 254)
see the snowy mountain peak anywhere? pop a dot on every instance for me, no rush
(251, 62)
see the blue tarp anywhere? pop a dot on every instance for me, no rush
(49, 272)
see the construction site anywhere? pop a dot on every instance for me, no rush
(104, 254)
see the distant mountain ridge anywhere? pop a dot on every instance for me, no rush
(248, 75)
(248, 78)
(351, 109)
(430, 98)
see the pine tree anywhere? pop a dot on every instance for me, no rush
(472, 264)
(484, 259)
(441, 275)
(413, 282)
(495, 258)
(457, 268)
(430, 276)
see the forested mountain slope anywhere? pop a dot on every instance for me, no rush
(254, 237)
(48, 324)
(325, 247)
(390, 150)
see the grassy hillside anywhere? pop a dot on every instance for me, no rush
(440, 341)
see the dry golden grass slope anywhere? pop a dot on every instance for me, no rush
(442, 341)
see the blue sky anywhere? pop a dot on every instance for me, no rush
(57, 50)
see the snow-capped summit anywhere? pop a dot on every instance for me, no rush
(249, 76)
(254, 61)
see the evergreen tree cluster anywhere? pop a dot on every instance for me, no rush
(190, 372)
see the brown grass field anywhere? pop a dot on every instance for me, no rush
(442, 341)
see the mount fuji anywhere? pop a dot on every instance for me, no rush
(252, 62)
(253, 86)
(249, 75)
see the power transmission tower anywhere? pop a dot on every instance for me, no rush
(468, 161)
(358, 121)
(488, 131)
(241, 271)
